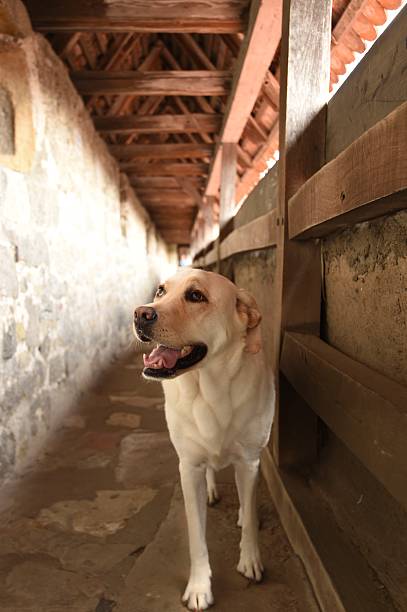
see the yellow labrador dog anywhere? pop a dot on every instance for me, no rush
(219, 403)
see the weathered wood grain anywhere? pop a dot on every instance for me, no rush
(228, 182)
(366, 410)
(153, 83)
(341, 578)
(255, 56)
(258, 234)
(367, 180)
(304, 82)
(161, 151)
(165, 169)
(216, 16)
(151, 124)
(375, 88)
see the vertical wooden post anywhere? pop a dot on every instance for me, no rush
(304, 87)
(228, 182)
(208, 215)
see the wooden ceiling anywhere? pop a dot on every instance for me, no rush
(166, 81)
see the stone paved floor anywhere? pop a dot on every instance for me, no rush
(98, 524)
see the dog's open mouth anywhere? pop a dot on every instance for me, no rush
(166, 362)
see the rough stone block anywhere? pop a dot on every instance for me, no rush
(3, 186)
(33, 249)
(6, 123)
(57, 369)
(8, 274)
(7, 452)
(43, 204)
(45, 347)
(9, 340)
(33, 327)
(39, 410)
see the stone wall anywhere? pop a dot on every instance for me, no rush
(76, 252)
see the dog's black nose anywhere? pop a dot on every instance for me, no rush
(145, 315)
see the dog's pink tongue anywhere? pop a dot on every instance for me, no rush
(163, 356)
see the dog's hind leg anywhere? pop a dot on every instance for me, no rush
(246, 478)
(213, 496)
(198, 594)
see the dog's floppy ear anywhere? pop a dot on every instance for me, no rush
(246, 305)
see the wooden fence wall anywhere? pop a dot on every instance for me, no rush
(341, 164)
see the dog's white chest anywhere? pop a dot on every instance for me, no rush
(208, 418)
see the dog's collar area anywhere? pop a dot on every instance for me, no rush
(166, 362)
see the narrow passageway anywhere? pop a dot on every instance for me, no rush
(98, 523)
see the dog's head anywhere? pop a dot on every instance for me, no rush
(195, 315)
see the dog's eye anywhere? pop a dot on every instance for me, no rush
(160, 291)
(193, 295)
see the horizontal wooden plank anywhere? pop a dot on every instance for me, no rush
(183, 238)
(366, 180)
(215, 16)
(161, 151)
(340, 576)
(258, 234)
(153, 83)
(364, 409)
(162, 182)
(165, 196)
(150, 124)
(375, 88)
(165, 169)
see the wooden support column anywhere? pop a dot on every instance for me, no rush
(304, 87)
(228, 182)
(209, 202)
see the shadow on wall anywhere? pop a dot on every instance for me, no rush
(73, 259)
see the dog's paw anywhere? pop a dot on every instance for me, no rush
(213, 496)
(198, 596)
(250, 565)
(240, 518)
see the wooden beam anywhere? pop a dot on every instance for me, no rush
(176, 237)
(153, 83)
(258, 234)
(341, 578)
(366, 410)
(367, 180)
(374, 89)
(165, 169)
(217, 16)
(304, 81)
(255, 56)
(165, 196)
(162, 182)
(161, 151)
(173, 124)
(228, 182)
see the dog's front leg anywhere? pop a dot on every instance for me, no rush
(198, 594)
(246, 479)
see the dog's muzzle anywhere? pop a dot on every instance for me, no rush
(144, 319)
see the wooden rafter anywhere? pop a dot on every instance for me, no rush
(255, 56)
(165, 83)
(162, 151)
(150, 124)
(141, 16)
(143, 168)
